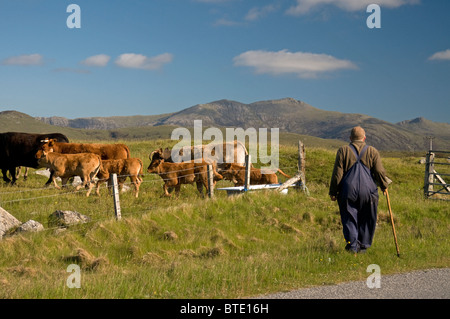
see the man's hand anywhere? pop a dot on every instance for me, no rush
(333, 198)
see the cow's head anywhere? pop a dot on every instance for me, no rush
(232, 172)
(156, 158)
(45, 148)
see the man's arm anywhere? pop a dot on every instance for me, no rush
(378, 171)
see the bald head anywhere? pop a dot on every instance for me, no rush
(357, 134)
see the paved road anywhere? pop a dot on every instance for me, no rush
(424, 284)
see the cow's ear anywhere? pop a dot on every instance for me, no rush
(167, 153)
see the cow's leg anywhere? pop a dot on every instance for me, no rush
(85, 182)
(12, 172)
(25, 174)
(90, 185)
(64, 181)
(121, 181)
(86, 186)
(166, 190)
(110, 184)
(97, 188)
(5, 177)
(136, 193)
(135, 181)
(18, 170)
(200, 187)
(54, 182)
(177, 190)
(50, 179)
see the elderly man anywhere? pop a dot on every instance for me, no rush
(357, 171)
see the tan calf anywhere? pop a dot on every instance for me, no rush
(130, 167)
(236, 174)
(65, 166)
(176, 174)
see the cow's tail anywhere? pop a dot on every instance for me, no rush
(217, 175)
(97, 169)
(242, 145)
(141, 171)
(283, 173)
(127, 150)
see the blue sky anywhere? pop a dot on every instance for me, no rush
(159, 56)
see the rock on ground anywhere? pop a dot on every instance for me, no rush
(7, 222)
(65, 218)
(30, 226)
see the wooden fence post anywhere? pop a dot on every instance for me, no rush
(116, 197)
(210, 181)
(248, 164)
(429, 175)
(302, 167)
(301, 160)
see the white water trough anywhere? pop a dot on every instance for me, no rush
(241, 189)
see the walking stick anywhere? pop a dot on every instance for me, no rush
(392, 222)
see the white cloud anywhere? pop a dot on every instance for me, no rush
(99, 60)
(226, 22)
(30, 59)
(304, 6)
(303, 64)
(139, 61)
(442, 55)
(257, 13)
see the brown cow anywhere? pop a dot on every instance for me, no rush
(212, 153)
(85, 165)
(106, 151)
(175, 174)
(236, 173)
(130, 167)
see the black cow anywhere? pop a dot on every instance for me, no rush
(19, 149)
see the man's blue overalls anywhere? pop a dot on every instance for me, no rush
(358, 202)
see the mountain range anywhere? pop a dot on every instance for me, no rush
(289, 115)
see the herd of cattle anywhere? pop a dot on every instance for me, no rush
(100, 161)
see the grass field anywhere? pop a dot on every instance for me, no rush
(225, 247)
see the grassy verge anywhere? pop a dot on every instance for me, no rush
(227, 247)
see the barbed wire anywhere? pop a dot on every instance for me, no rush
(154, 180)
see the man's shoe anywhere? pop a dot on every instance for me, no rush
(351, 249)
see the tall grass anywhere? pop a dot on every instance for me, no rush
(226, 247)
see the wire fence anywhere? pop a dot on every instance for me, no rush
(154, 178)
(15, 199)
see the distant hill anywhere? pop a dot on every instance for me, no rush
(291, 116)
(426, 127)
(298, 117)
(103, 123)
(13, 121)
